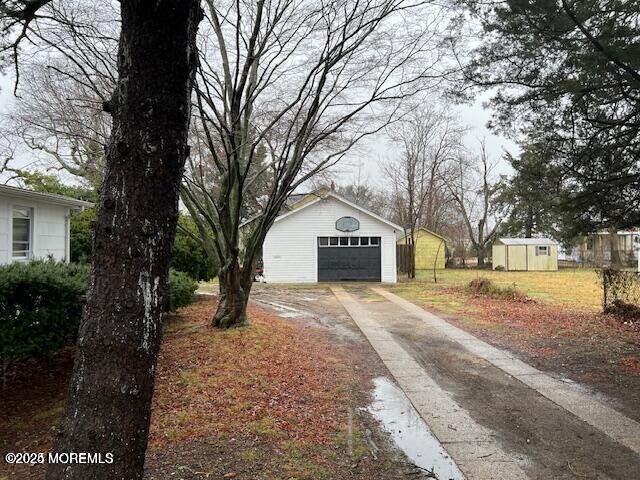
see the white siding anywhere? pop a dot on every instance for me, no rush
(50, 233)
(5, 228)
(290, 247)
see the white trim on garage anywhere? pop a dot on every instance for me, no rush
(290, 249)
(343, 200)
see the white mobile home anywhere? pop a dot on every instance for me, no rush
(330, 239)
(526, 254)
(34, 225)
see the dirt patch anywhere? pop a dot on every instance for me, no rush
(278, 399)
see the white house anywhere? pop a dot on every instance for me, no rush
(34, 225)
(329, 238)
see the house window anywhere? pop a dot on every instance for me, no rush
(323, 241)
(333, 240)
(355, 241)
(375, 240)
(364, 241)
(542, 250)
(22, 232)
(344, 241)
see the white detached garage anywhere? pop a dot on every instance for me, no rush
(330, 239)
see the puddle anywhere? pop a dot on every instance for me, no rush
(409, 432)
(285, 310)
(203, 292)
(290, 315)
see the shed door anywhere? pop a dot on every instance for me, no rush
(349, 258)
(517, 257)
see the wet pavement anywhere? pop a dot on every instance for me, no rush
(531, 425)
(541, 437)
(409, 432)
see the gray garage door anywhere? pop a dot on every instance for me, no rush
(349, 258)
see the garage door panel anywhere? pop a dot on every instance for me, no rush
(349, 263)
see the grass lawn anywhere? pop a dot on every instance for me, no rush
(573, 288)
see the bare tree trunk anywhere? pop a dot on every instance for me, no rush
(614, 248)
(412, 257)
(482, 254)
(529, 225)
(109, 399)
(235, 287)
(480, 248)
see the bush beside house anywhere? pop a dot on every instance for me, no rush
(41, 306)
(81, 232)
(188, 254)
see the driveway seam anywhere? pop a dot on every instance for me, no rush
(571, 398)
(473, 447)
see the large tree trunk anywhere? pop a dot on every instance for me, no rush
(109, 400)
(234, 289)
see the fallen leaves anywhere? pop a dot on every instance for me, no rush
(631, 364)
(272, 380)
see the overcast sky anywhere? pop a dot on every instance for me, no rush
(369, 157)
(377, 149)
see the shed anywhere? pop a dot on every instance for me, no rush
(34, 225)
(525, 254)
(430, 249)
(329, 238)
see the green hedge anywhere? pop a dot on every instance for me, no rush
(182, 290)
(41, 306)
(188, 253)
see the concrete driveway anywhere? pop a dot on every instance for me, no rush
(496, 416)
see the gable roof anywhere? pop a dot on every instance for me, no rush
(296, 200)
(334, 195)
(43, 197)
(425, 229)
(527, 241)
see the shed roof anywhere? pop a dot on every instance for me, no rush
(43, 197)
(425, 229)
(527, 241)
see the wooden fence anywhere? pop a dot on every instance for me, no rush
(404, 253)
